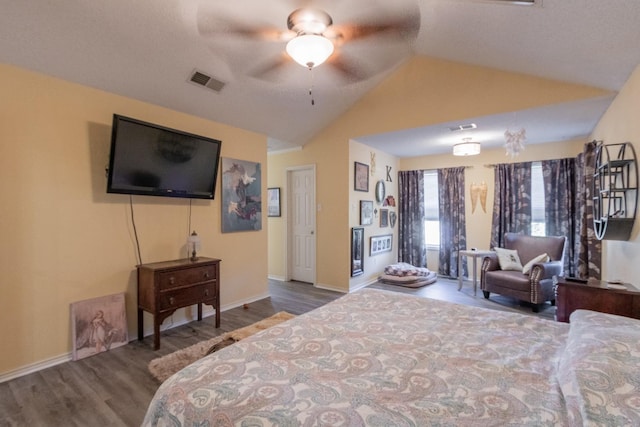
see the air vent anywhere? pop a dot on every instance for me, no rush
(463, 127)
(201, 79)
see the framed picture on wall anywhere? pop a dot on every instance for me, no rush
(360, 176)
(384, 218)
(357, 251)
(380, 244)
(366, 212)
(273, 201)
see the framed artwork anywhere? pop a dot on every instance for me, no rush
(360, 177)
(366, 212)
(273, 201)
(98, 325)
(380, 244)
(357, 251)
(241, 196)
(384, 217)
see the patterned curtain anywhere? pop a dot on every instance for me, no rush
(587, 248)
(512, 201)
(453, 236)
(411, 245)
(560, 205)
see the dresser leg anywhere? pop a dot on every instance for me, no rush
(140, 325)
(199, 311)
(156, 333)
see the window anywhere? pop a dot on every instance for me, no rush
(537, 200)
(431, 210)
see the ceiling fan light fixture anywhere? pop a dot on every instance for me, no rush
(310, 50)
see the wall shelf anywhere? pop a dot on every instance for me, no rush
(615, 190)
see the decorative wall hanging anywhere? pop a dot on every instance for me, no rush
(478, 192)
(241, 196)
(384, 218)
(380, 244)
(360, 177)
(514, 141)
(366, 212)
(380, 191)
(389, 201)
(389, 174)
(373, 163)
(98, 325)
(357, 251)
(273, 201)
(392, 219)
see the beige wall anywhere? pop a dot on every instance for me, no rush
(620, 124)
(378, 162)
(64, 239)
(423, 91)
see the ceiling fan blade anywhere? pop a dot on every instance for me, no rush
(270, 70)
(349, 72)
(405, 28)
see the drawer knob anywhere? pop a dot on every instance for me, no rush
(172, 280)
(172, 300)
(206, 292)
(206, 274)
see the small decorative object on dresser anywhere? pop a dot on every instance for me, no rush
(164, 287)
(611, 297)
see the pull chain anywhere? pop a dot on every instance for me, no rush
(313, 102)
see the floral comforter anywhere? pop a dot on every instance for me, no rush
(380, 358)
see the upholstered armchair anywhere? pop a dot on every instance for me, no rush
(506, 276)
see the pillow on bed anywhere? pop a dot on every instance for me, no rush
(508, 259)
(599, 370)
(540, 258)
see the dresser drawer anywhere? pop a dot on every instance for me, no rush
(178, 298)
(186, 277)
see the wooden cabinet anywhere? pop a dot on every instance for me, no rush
(596, 295)
(615, 191)
(164, 287)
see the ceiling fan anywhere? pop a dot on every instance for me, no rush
(370, 43)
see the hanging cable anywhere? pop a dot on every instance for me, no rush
(189, 226)
(135, 231)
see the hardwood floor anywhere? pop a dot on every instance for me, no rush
(114, 388)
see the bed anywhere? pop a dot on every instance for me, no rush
(382, 358)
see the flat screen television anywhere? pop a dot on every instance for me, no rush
(153, 160)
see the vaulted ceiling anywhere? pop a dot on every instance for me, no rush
(149, 49)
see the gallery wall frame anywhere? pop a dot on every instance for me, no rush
(360, 176)
(380, 244)
(366, 212)
(273, 201)
(357, 251)
(384, 218)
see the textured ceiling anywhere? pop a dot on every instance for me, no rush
(147, 49)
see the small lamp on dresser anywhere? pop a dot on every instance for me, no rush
(194, 245)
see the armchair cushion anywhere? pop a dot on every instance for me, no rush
(540, 258)
(508, 259)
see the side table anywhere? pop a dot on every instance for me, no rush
(475, 254)
(622, 299)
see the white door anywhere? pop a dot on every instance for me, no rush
(302, 233)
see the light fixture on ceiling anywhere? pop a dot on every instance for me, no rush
(310, 47)
(514, 141)
(466, 148)
(309, 50)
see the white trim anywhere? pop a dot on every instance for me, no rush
(329, 288)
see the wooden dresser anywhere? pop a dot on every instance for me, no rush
(596, 295)
(164, 287)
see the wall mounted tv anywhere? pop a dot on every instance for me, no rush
(153, 160)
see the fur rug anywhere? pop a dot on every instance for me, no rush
(165, 366)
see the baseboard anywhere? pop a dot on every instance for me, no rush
(277, 278)
(58, 360)
(329, 288)
(363, 285)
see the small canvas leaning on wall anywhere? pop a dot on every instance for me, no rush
(98, 325)
(241, 196)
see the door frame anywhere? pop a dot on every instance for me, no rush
(289, 224)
